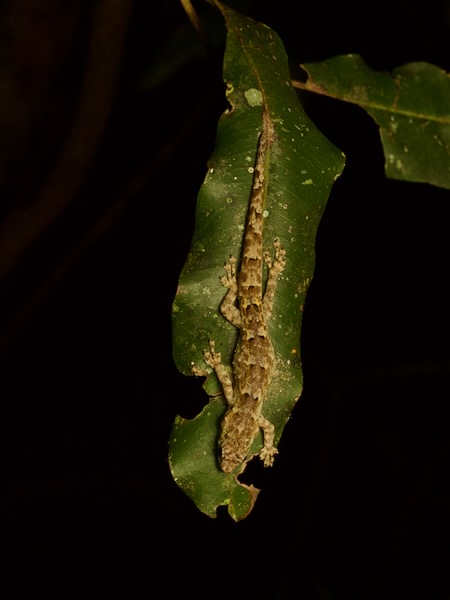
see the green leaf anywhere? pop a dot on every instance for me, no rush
(194, 465)
(411, 107)
(300, 171)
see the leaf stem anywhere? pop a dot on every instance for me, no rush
(197, 24)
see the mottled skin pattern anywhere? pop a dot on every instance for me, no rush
(248, 309)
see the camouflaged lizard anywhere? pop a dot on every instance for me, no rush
(248, 309)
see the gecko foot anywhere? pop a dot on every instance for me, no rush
(267, 455)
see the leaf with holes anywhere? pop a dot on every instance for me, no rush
(299, 173)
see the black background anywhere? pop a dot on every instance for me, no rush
(357, 505)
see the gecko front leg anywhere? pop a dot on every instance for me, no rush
(228, 307)
(232, 314)
(274, 266)
(214, 360)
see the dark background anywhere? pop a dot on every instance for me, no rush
(108, 113)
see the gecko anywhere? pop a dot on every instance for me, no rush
(248, 306)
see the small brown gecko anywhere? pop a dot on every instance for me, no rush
(245, 306)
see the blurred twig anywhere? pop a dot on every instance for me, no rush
(197, 24)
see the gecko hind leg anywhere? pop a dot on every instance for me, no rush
(268, 451)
